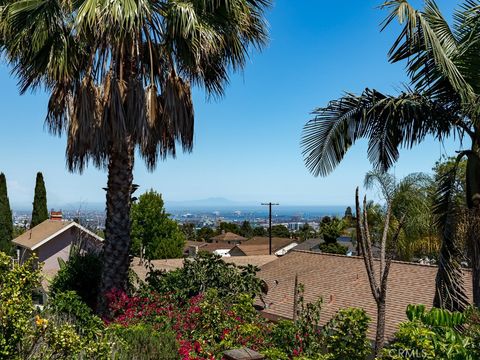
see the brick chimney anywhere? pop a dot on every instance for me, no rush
(56, 215)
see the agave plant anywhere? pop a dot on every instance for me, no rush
(441, 100)
(119, 74)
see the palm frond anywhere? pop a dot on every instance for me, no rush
(388, 122)
(450, 290)
(430, 48)
(385, 181)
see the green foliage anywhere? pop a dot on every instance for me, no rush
(81, 273)
(285, 336)
(205, 234)
(206, 271)
(346, 335)
(331, 229)
(246, 230)
(17, 284)
(40, 210)
(260, 231)
(306, 232)
(188, 230)
(333, 248)
(6, 220)
(227, 227)
(153, 230)
(274, 354)
(51, 334)
(433, 334)
(445, 166)
(69, 305)
(143, 342)
(280, 231)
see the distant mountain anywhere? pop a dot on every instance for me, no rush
(209, 202)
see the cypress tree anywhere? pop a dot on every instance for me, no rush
(40, 210)
(6, 221)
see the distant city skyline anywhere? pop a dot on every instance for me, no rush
(246, 145)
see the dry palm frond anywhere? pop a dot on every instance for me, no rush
(153, 106)
(136, 119)
(178, 108)
(113, 111)
(83, 121)
(58, 107)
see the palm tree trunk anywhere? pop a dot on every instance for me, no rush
(474, 240)
(473, 201)
(117, 227)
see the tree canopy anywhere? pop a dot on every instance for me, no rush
(40, 209)
(153, 231)
(6, 221)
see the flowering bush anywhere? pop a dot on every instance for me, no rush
(205, 325)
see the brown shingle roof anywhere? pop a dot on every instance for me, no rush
(46, 231)
(259, 245)
(228, 236)
(342, 282)
(211, 247)
(35, 236)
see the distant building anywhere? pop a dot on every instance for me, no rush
(192, 248)
(260, 245)
(228, 238)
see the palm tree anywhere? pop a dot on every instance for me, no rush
(119, 75)
(410, 199)
(441, 100)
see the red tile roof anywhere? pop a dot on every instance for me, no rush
(342, 282)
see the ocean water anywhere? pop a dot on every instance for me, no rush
(252, 212)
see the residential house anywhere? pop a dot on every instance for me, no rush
(342, 282)
(52, 239)
(260, 245)
(228, 238)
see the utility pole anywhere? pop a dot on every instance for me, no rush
(270, 225)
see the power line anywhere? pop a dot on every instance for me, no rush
(270, 204)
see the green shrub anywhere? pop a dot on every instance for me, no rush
(333, 248)
(17, 283)
(26, 333)
(81, 273)
(70, 306)
(346, 335)
(206, 271)
(433, 334)
(143, 342)
(275, 354)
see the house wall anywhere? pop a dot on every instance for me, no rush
(58, 247)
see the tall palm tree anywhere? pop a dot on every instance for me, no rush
(119, 75)
(441, 100)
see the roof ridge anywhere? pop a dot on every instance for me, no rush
(375, 259)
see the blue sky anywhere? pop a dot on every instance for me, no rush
(247, 143)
